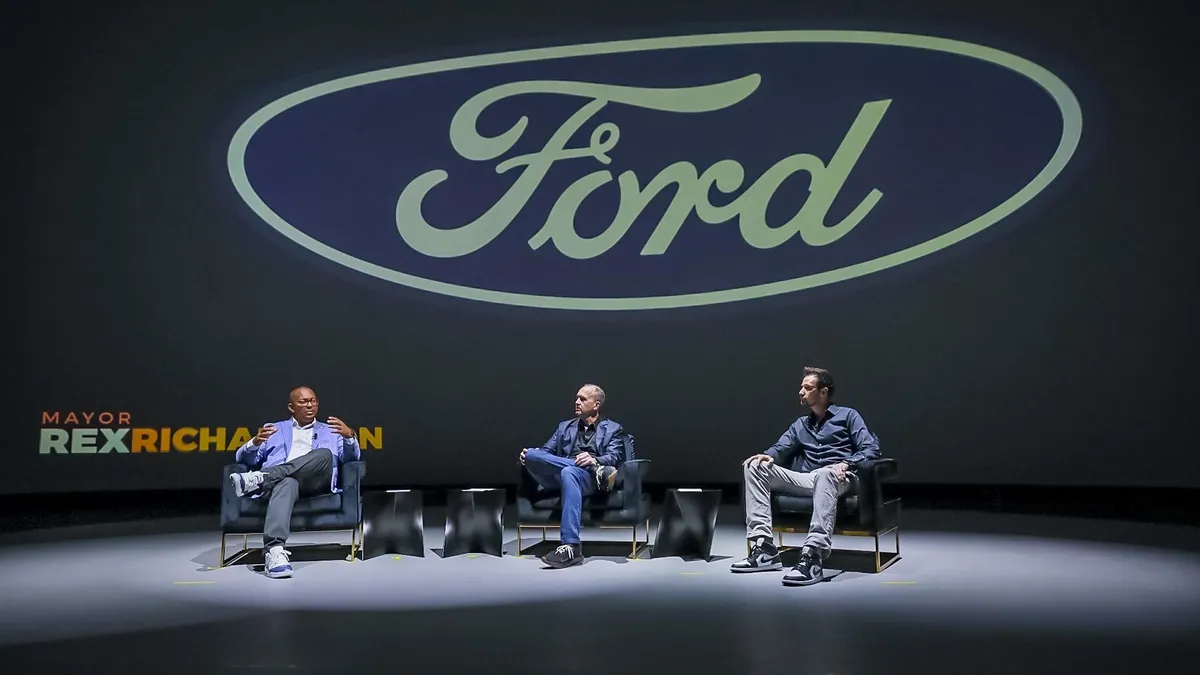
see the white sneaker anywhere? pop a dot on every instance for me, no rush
(277, 565)
(244, 483)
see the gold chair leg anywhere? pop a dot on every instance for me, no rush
(897, 555)
(519, 540)
(633, 551)
(222, 563)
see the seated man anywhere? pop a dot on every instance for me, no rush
(579, 459)
(298, 457)
(814, 458)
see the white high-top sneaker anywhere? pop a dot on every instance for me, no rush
(244, 483)
(277, 564)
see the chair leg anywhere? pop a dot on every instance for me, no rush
(519, 540)
(236, 557)
(894, 558)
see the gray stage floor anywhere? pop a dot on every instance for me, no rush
(972, 594)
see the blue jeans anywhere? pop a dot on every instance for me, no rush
(560, 473)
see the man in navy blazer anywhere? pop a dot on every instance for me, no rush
(580, 458)
(298, 457)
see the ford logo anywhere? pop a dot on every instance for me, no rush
(658, 173)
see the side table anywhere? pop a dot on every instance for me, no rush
(688, 523)
(393, 522)
(475, 521)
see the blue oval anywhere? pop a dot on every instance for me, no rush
(658, 173)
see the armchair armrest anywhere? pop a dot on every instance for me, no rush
(632, 473)
(350, 476)
(872, 474)
(879, 469)
(231, 505)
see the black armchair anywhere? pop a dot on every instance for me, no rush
(335, 512)
(862, 513)
(626, 506)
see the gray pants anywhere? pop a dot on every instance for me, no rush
(306, 476)
(821, 485)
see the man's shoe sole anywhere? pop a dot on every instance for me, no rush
(238, 489)
(562, 565)
(803, 582)
(762, 568)
(279, 575)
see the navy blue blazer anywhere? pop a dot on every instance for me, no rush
(609, 441)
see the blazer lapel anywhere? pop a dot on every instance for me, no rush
(287, 438)
(602, 433)
(569, 438)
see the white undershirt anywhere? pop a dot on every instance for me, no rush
(302, 438)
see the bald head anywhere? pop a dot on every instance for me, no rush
(594, 392)
(302, 403)
(588, 400)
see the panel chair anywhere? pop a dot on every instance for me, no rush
(862, 513)
(626, 506)
(339, 512)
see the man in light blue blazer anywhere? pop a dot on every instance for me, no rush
(298, 457)
(580, 458)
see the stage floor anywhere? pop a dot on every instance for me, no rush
(973, 593)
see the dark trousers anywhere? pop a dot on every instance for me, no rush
(305, 476)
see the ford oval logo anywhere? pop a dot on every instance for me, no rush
(658, 173)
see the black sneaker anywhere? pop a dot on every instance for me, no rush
(564, 556)
(606, 478)
(807, 571)
(764, 557)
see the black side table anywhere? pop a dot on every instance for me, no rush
(688, 523)
(393, 522)
(475, 521)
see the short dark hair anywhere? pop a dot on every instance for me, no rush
(824, 379)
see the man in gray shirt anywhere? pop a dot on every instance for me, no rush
(815, 457)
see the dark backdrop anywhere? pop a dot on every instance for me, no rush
(1058, 353)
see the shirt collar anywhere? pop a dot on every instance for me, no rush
(296, 424)
(829, 413)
